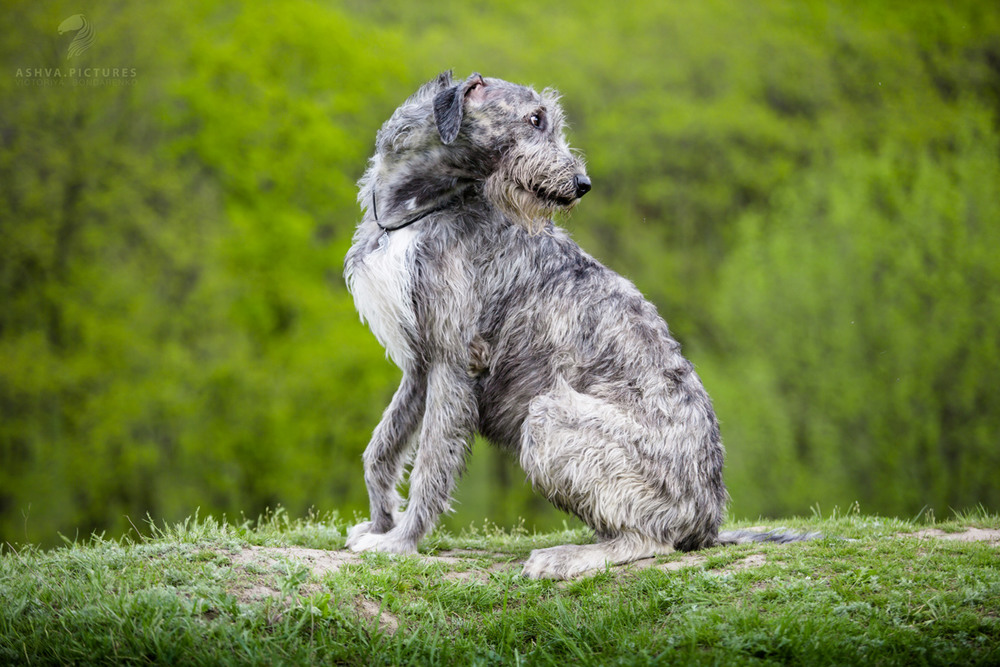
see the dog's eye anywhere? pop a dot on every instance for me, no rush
(537, 119)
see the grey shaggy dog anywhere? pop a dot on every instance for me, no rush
(502, 325)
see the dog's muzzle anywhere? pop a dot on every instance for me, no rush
(582, 184)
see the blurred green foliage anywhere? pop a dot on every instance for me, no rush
(809, 191)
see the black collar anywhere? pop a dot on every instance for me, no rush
(405, 223)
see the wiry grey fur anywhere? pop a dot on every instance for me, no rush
(502, 325)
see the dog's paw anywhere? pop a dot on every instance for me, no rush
(356, 531)
(389, 543)
(564, 562)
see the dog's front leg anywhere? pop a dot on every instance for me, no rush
(385, 455)
(450, 417)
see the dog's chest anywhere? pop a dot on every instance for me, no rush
(381, 283)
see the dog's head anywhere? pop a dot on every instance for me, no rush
(503, 136)
(533, 170)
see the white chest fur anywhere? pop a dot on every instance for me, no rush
(381, 284)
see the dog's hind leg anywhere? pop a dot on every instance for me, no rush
(592, 458)
(385, 455)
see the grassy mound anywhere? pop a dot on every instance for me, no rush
(282, 591)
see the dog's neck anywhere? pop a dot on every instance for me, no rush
(391, 226)
(397, 201)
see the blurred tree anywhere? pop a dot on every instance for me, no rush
(174, 331)
(861, 315)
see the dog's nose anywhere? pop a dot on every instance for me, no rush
(582, 184)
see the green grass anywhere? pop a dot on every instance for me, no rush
(210, 592)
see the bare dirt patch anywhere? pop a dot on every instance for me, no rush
(473, 553)
(371, 610)
(477, 576)
(322, 562)
(696, 560)
(318, 560)
(257, 592)
(261, 567)
(989, 535)
(687, 560)
(751, 561)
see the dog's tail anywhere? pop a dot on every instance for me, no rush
(778, 535)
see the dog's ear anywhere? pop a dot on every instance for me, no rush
(444, 79)
(449, 107)
(430, 88)
(448, 113)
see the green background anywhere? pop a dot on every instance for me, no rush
(808, 191)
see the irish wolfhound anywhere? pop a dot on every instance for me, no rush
(503, 325)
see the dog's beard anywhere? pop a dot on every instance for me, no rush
(525, 206)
